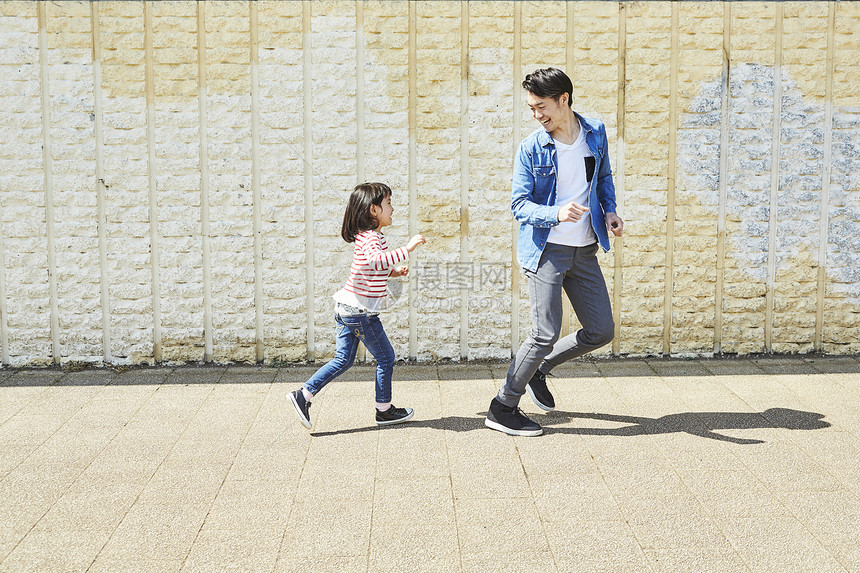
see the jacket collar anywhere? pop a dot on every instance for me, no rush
(545, 139)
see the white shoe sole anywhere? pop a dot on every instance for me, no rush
(306, 423)
(398, 421)
(497, 426)
(536, 401)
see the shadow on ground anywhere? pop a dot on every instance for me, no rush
(702, 424)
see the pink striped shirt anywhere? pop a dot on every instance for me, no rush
(372, 264)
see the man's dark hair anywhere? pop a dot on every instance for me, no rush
(549, 82)
(357, 217)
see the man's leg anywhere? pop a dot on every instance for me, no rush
(545, 291)
(586, 290)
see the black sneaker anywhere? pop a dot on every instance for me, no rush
(510, 420)
(303, 408)
(540, 393)
(393, 416)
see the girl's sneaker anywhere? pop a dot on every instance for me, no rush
(303, 407)
(393, 416)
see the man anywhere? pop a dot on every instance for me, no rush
(564, 199)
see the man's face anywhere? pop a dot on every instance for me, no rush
(549, 112)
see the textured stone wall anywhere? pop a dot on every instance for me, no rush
(173, 174)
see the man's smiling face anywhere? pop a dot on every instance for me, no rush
(550, 113)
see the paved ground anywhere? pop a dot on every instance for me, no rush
(648, 465)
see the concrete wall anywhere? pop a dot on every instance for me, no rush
(173, 174)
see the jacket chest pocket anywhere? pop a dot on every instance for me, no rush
(544, 182)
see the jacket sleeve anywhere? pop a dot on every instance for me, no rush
(605, 186)
(525, 209)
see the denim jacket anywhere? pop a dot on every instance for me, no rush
(535, 186)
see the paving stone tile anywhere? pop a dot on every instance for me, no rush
(55, 551)
(292, 560)
(706, 393)
(597, 546)
(337, 483)
(778, 544)
(695, 559)
(732, 493)
(86, 378)
(409, 452)
(465, 372)
(490, 527)
(485, 465)
(416, 373)
(784, 365)
(832, 518)
(91, 505)
(252, 549)
(555, 453)
(782, 466)
(677, 368)
(30, 429)
(38, 379)
(268, 461)
(11, 456)
(294, 375)
(414, 526)
(574, 498)
(520, 558)
(251, 506)
(424, 498)
(677, 526)
(328, 529)
(685, 451)
(835, 364)
(576, 370)
(155, 532)
(414, 546)
(15, 398)
(731, 367)
(142, 377)
(135, 564)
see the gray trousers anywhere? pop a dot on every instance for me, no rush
(576, 272)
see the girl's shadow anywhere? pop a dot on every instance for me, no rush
(703, 424)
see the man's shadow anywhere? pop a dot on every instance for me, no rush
(702, 424)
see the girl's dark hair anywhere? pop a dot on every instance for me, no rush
(357, 217)
(549, 82)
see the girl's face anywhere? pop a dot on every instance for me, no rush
(383, 212)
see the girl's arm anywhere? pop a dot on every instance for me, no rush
(380, 259)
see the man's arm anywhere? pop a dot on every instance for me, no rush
(606, 189)
(523, 205)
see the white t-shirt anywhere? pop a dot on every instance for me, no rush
(575, 172)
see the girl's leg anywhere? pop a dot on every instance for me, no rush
(376, 342)
(348, 335)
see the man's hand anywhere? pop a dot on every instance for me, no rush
(571, 212)
(614, 224)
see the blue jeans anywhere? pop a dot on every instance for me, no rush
(350, 330)
(562, 270)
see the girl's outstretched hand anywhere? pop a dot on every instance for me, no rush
(414, 242)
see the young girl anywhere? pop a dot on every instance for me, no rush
(357, 304)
